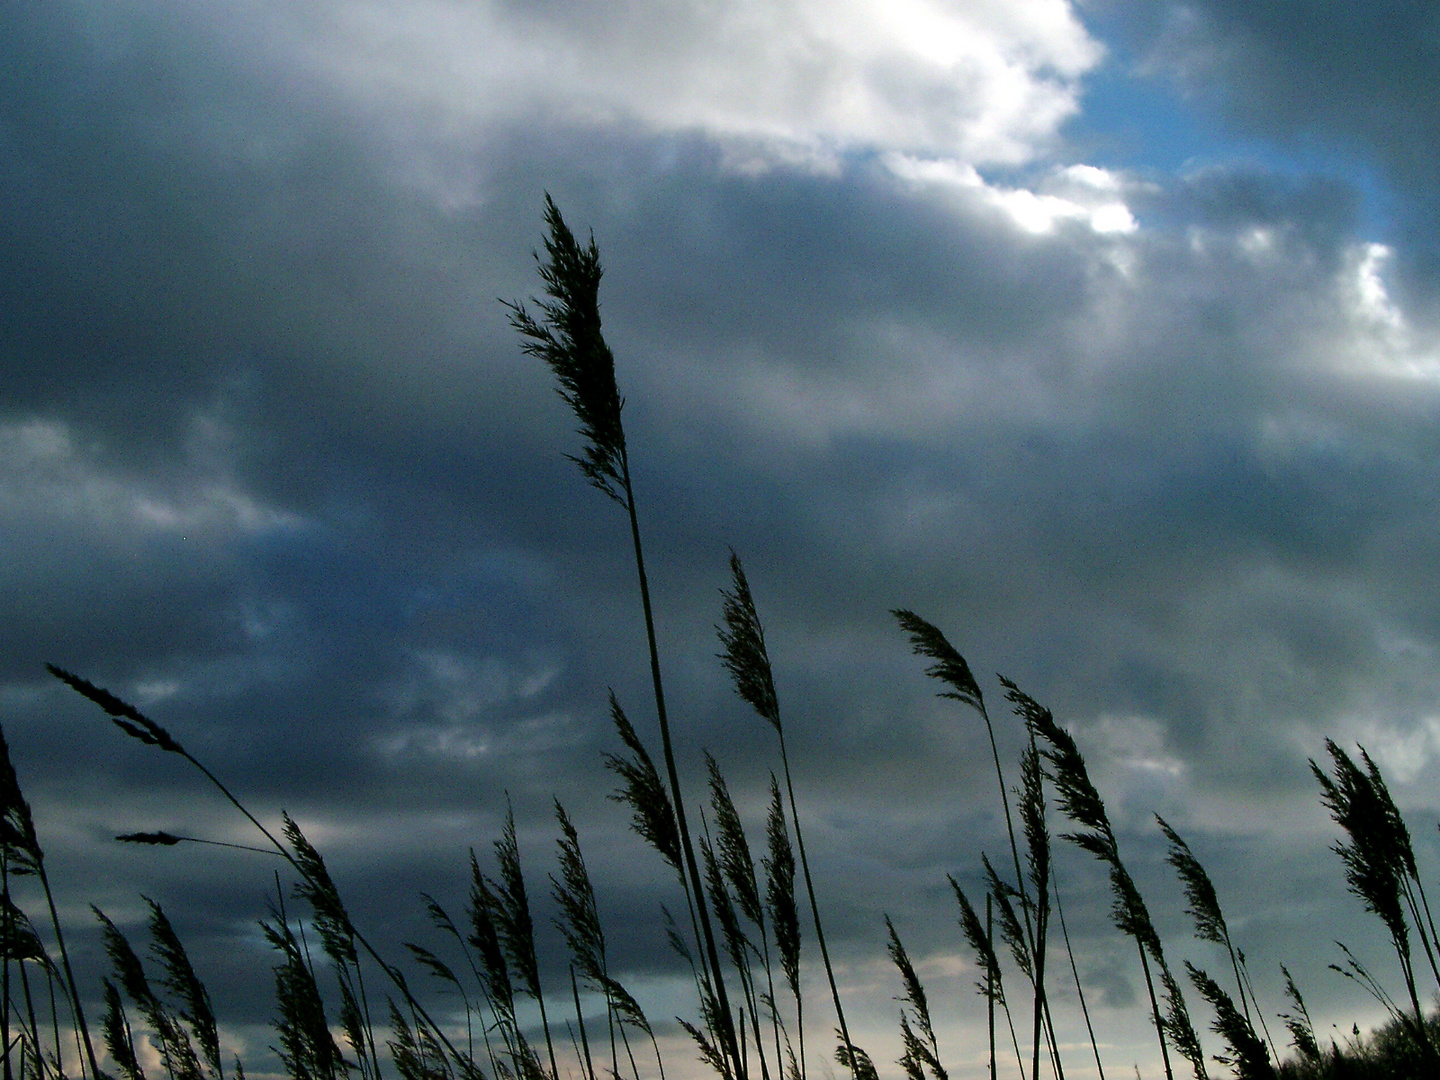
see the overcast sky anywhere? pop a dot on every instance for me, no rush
(1105, 335)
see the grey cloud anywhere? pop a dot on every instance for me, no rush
(1173, 481)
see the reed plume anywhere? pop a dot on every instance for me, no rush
(779, 864)
(1204, 910)
(307, 1049)
(176, 1050)
(1377, 860)
(1248, 1054)
(1082, 804)
(921, 1049)
(185, 986)
(115, 1030)
(737, 943)
(1302, 1031)
(743, 639)
(951, 669)
(733, 859)
(416, 1054)
(1037, 857)
(991, 985)
(21, 851)
(652, 813)
(579, 924)
(494, 972)
(516, 927)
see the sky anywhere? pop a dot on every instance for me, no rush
(1104, 335)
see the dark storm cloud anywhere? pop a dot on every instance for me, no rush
(275, 467)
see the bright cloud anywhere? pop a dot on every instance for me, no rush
(799, 82)
(1081, 193)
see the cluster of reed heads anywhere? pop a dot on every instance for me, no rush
(741, 927)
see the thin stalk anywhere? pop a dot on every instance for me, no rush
(138, 726)
(990, 983)
(1155, 1010)
(10, 937)
(580, 1021)
(711, 955)
(1075, 971)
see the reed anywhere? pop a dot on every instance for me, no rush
(579, 923)
(743, 638)
(23, 854)
(516, 927)
(1302, 1031)
(991, 985)
(1248, 1053)
(1204, 903)
(1081, 802)
(922, 1049)
(736, 866)
(950, 668)
(568, 339)
(755, 906)
(1378, 860)
(779, 864)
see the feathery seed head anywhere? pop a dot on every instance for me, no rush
(949, 667)
(991, 985)
(653, 814)
(744, 641)
(567, 337)
(780, 888)
(732, 847)
(18, 838)
(1375, 857)
(1248, 1054)
(1199, 890)
(126, 717)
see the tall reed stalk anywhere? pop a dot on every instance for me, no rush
(516, 926)
(1082, 803)
(1210, 925)
(1378, 863)
(748, 661)
(570, 342)
(579, 923)
(779, 863)
(733, 858)
(22, 852)
(950, 668)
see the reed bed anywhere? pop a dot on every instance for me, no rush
(348, 1005)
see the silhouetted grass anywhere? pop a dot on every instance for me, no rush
(490, 961)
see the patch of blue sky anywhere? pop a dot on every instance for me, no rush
(1142, 123)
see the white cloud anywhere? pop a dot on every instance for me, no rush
(1083, 193)
(1381, 340)
(802, 81)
